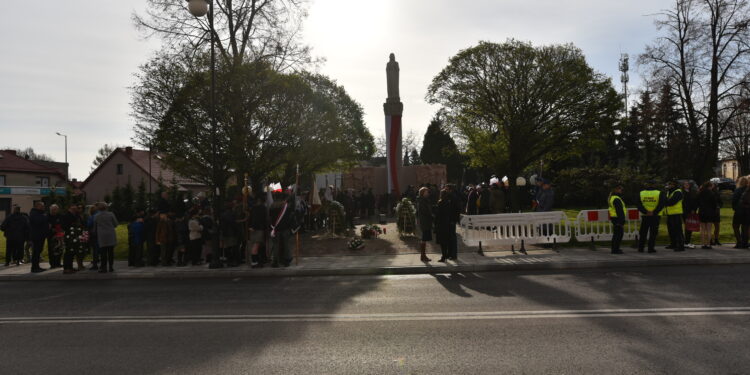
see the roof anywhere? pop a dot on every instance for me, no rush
(141, 159)
(10, 162)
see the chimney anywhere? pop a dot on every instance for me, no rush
(129, 151)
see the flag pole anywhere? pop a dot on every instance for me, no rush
(296, 248)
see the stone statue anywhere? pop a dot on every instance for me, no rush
(391, 70)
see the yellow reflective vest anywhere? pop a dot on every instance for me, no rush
(650, 200)
(675, 209)
(612, 210)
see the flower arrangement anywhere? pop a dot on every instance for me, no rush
(336, 222)
(407, 217)
(370, 231)
(84, 237)
(356, 243)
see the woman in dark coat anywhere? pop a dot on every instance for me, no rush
(425, 216)
(707, 211)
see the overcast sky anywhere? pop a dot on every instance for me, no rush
(66, 65)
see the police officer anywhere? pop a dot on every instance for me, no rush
(617, 216)
(650, 205)
(674, 212)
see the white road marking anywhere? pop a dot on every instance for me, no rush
(489, 315)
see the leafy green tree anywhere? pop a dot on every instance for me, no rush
(513, 104)
(127, 194)
(141, 197)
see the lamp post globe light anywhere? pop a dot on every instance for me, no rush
(200, 8)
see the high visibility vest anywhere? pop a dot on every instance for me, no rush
(675, 209)
(650, 200)
(612, 210)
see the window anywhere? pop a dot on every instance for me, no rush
(42, 181)
(119, 169)
(2, 180)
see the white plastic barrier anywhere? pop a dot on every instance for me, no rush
(515, 229)
(595, 225)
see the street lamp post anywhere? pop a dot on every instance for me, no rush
(200, 8)
(66, 154)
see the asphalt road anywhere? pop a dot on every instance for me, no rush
(674, 320)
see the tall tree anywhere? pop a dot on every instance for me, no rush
(513, 104)
(29, 153)
(703, 55)
(438, 147)
(414, 158)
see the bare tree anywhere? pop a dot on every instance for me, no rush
(245, 30)
(703, 54)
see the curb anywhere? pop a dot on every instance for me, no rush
(234, 273)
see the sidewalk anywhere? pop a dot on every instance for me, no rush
(567, 258)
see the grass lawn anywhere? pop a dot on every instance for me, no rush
(725, 236)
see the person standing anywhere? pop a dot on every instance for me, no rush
(498, 199)
(258, 230)
(471, 204)
(674, 212)
(689, 207)
(485, 200)
(94, 244)
(16, 230)
(150, 224)
(73, 229)
(740, 217)
(229, 235)
(55, 244)
(707, 210)
(164, 236)
(280, 230)
(650, 205)
(195, 238)
(545, 198)
(105, 224)
(717, 218)
(445, 228)
(135, 241)
(425, 216)
(39, 231)
(617, 217)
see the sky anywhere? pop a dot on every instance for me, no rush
(66, 66)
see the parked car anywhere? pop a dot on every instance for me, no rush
(724, 183)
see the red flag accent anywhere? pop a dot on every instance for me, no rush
(593, 215)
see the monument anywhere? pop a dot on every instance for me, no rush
(393, 109)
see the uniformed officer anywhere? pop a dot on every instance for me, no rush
(650, 205)
(674, 216)
(617, 217)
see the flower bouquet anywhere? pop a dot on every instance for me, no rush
(356, 243)
(370, 231)
(407, 217)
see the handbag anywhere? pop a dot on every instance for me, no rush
(693, 223)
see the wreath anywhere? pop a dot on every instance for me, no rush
(336, 222)
(407, 217)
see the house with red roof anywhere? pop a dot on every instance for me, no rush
(24, 181)
(127, 165)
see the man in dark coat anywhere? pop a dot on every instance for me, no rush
(39, 230)
(16, 229)
(54, 242)
(281, 225)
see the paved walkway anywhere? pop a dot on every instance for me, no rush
(567, 258)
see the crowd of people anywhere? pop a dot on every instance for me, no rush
(258, 233)
(688, 208)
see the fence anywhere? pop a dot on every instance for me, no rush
(515, 229)
(543, 228)
(594, 225)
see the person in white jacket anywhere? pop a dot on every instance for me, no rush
(195, 238)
